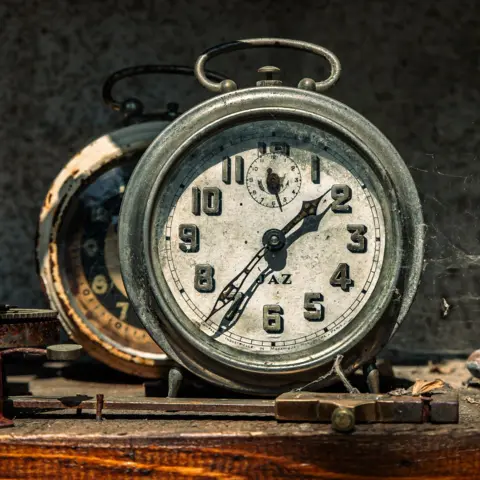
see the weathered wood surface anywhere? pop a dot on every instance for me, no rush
(181, 449)
(51, 446)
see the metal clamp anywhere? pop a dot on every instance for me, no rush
(230, 85)
(343, 411)
(133, 106)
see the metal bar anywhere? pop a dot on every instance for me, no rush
(298, 406)
(186, 405)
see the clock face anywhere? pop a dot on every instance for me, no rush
(270, 238)
(88, 253)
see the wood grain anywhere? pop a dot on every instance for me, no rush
(384, 452)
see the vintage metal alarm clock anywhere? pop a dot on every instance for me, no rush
(77, 248)
(270, 230)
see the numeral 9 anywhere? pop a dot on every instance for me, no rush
(190, 236)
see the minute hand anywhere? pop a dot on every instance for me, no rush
(227, 295)
(309, 208)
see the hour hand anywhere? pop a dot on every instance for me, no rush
(309, 207)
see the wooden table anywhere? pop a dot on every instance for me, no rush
(173, 447)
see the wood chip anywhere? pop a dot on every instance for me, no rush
(471, 400)
(424, 386)
(398, 392)
(438, 368)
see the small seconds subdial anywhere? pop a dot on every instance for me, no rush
(274, 179)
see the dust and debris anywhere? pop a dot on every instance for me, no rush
(435, 170)
(421, 387)
(439, 368)
(445, 307)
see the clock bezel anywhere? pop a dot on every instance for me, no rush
(155, 306)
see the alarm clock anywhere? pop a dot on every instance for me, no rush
(77, 246)
(270, 231)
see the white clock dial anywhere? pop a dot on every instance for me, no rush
(235, 283)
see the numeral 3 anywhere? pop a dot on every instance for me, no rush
(359, 244)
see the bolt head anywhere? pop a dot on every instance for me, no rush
(343, 420)
(268, 69)
(228, 86)
(132, 106)
(307, 84)
(274, 240)
(172, 109)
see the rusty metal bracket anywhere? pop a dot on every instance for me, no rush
(344, 411)
(6, 422)
(20, 327)
(67, 352)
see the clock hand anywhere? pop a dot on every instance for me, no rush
(228, 319)
(239, 304)
(279, 202)
(274, 184)
(234, 308)
(309, 207)
(309, 225)
(227, 295)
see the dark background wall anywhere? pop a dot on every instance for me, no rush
(411, 67)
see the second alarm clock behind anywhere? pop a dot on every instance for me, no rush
(77, 249)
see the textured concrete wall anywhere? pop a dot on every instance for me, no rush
(411, 67)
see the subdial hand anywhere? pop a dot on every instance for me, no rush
(274, 185)
(279, 202)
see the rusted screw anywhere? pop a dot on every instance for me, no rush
(343, 420)
(99, 409)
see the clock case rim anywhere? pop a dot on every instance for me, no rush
(95, 158)
(297, 362)
(174, 141)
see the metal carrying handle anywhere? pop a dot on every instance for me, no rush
(144, 70)
(230, 85)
